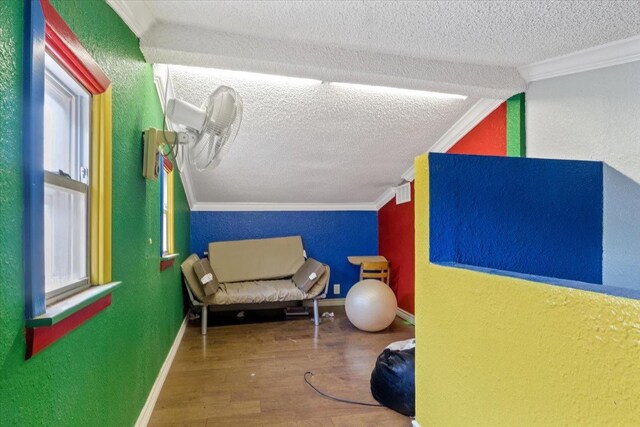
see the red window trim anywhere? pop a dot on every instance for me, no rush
(63, 45)
(41, 337)
(164, 264)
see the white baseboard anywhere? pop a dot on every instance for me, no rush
(414, 423)
(331, 302)
(147, 409)
(403, 314)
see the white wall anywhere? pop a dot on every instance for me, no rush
(595, 115)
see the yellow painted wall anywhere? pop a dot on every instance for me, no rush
(499, 351)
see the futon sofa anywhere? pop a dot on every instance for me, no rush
(254, 274)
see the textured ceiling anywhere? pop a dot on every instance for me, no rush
(324, 144)
(471, 47)
(480, 32)
(311, 142)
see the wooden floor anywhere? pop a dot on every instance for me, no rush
(252, 375)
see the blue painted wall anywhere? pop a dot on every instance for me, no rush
(531, 216)
(328, 236)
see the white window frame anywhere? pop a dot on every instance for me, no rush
(57, 78)
(164, 207)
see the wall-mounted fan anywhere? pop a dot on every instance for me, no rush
(206, 133)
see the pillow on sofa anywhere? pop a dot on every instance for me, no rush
(308, 274)
(206, 276)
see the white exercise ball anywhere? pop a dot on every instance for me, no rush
(371, 305)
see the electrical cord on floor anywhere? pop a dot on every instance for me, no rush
(337, 399)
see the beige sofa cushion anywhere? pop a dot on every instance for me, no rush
(256, 292)
(263, 291)
(260, 259)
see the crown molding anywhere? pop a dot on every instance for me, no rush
(468, 121)
(606, 55)
(164, 87)
(135, 14)
(385, 198)
(244, 207)
(410, 174)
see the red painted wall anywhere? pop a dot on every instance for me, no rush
(396, 243)
(488, 138)
(396, 222)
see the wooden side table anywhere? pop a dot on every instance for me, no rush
(358, 260)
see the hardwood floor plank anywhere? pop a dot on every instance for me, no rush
(371, 420)
(252, 375)
(199, 423)
(317, 422)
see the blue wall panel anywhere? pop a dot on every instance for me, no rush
(531, 216)
(328, 236)
(33, 158)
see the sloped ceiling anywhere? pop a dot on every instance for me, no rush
(320, 143)
(313, 142)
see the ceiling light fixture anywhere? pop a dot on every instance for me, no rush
(270, 78)
(399, 91)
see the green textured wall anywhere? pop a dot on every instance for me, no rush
(516, 133)
(101, 373)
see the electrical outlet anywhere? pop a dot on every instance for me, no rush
(336, 289)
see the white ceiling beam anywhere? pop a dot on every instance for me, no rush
(185, 45)
(385, 198)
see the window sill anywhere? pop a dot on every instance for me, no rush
(167, 261)
(169, 257)
(65, 316)
(65, 308)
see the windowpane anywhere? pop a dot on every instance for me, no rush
(59, 150)
(65, 237)
(66, 156)
(164, 205)
(66, 123)
(164, 233)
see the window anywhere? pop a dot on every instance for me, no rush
(67, 107)
(166, 205)
(67, 159)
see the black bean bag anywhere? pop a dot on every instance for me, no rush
(393, 381)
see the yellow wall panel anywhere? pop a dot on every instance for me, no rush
(500, 351)
(101, 185)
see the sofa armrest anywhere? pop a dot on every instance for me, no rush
(323, 283)
(194, 300)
